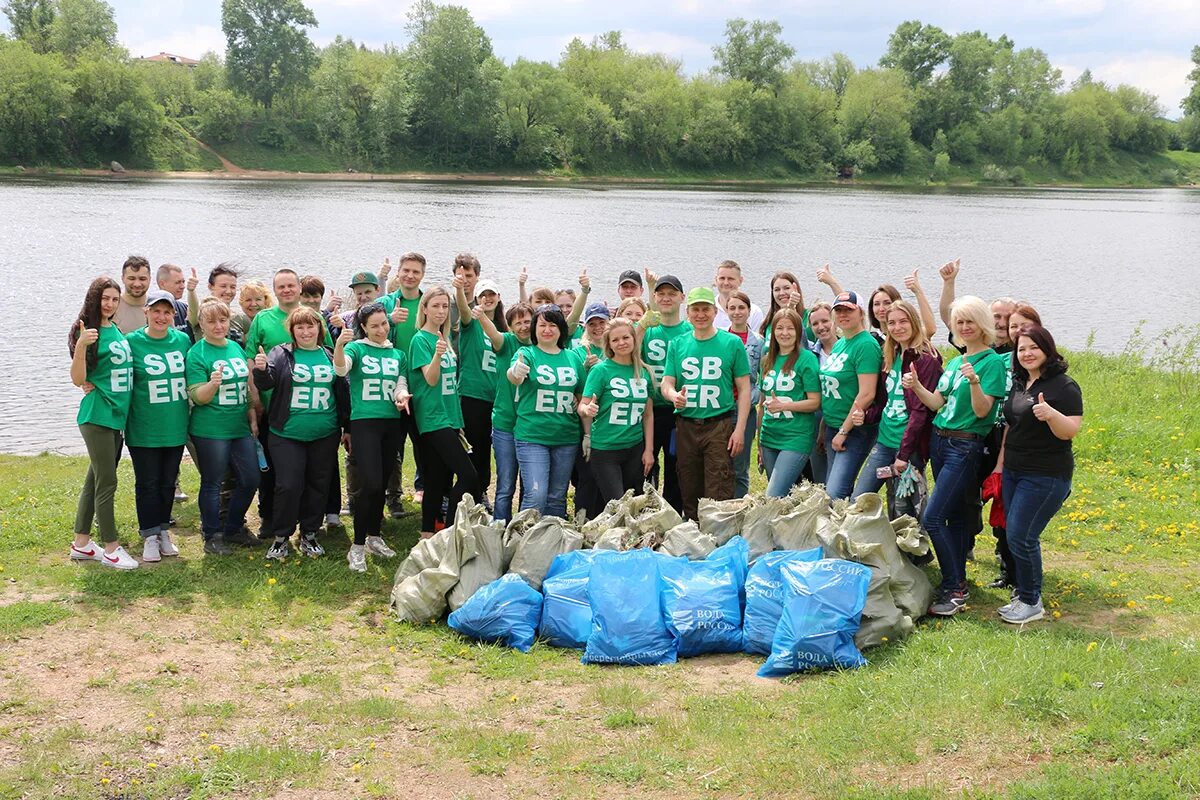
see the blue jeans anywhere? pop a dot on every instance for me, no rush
(954, 497)
(545, 476)
(844, 466)
(1030, 502)
(881, 456)
(741, 464)
(218, 456)
(504, 447)
(783, 469)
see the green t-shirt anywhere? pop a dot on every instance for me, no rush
(808, 331)
(958, 414)
(654, 354)
(622, 398)
(546, 400)
(576, 336)
(790, 430)
(436, 407)
(504, 411)
(312, 413)
(858, 355)
(478, 371)
(267, 330)
(108, 404)
(159, 413)
(709, 368)
(373, 378)
(401, 333)
(223, 417)
(895, 411)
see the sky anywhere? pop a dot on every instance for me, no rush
(1146, 44)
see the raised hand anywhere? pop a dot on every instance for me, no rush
(478, 313)
(520, 369)
(523, 275)
(457, 282)
(335, 302)
(824, 275)
(193, 281)
(909, 380)
(911, 282)
(387, 268)
(87, 336)
(949, 270)
(681, 399)
(442, 345)
(399, 314)
(260, 360)
(651, 278)
(584, 281)
(344, 338)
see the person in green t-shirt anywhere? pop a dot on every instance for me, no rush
(101, 366)
(505, 345)
(308, 416)
(223, 426)
(791, 395)
(549, 379)
(849, 378)
(223, 285)
(657, 329)
(595, 324)
(966, 400)
(433, 381)
(618, 417)
(401, 304)
(703, 369)
(479, 371)
(904, 422)
(379, 415)
(157, 427)
(786, 293)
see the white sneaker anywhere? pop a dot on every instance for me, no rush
(165, 545)
(89, 552)
(376, 547)
(357, 558)
(118, 559)
(333, 519)
(150, 549)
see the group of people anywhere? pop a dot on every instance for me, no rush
(557, 390)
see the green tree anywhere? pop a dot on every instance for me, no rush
(30, 21)
(172, 85)
(391, 110)
(35, 95)
(754, 52)
(209, 73)
(82, 24)
(1191, 103)
(268, 51)
(343, 89)
(875, 110)
(113, 113)
(220, 115)
(539, 103)
(916, 50)
(830, 73)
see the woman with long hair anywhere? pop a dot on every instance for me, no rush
(433, 380)
(1023, 316)
(377, 374)
(618, 417)
(102, 366)
(478, 373)
(825, 336)
(505, 345)
(1044, 412)
(547, 429)
(223, 426)
(904, 424)
(786, 293)
(791, 395)
(967, 401)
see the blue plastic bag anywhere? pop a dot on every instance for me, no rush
(627, 616)
(507, 611)
(764, 596)
(822, 608)
(702, 605)
(737, 552)
(566, 613)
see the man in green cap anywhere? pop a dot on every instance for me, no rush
(707, 380)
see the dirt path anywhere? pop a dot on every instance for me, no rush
(226, 165)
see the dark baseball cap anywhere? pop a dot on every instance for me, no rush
(669, 280)
(364, 277)
(630, 275)
(595, 311)
(159, 296)
(847, 299)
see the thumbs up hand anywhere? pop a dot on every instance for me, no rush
(824, 275)
(87, 336)
(857, 416)
(585, 282)
(523, 275)
(968, 371)
(345, 337)
(911, 282)
(217, 375)
(386, 270)
(949, 270)
(519, 369)
(399, 314)
(773, 404)
(681, 399)
(335, 302)
(588, 409)
(909, 380)
(441, 347)
(1043, 410)
(260, 360)
(193, 281)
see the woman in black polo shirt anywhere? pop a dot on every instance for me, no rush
(1043, 411)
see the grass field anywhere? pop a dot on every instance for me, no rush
(231, 677)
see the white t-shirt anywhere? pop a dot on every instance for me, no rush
(754, 323)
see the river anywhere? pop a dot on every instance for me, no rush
(1093, 262)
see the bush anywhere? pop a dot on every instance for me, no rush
(220, 114)
(941, 168)
(276, 134)
(996, 174)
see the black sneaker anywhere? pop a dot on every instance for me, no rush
(215, 546)
(309, 546)
(280, 550)
(265, 534)
(949, 604)
(398, 511)
(1001, 582)
(243, 538)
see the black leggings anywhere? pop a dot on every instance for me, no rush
(617, 471)
(374, 443)
(664, 426)
(443, 458)
(304, 470)
(477, 425)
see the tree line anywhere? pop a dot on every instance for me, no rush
(70, 94)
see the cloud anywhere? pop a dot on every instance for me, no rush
(190, 43)
(1161, 74)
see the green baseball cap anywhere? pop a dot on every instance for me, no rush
(701, 294)
(364, 277)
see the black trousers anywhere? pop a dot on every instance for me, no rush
(374, 443)
(587, 493)
(303, 471)
(266, 483)
(664, 426)
(477, 425)
(448, 472)
(155, 470)
(616, 472)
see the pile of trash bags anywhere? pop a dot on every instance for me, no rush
(807, 583)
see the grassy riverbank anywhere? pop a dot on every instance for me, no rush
(209, 677)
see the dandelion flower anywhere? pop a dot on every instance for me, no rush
(271, 581)
(1092, 646)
